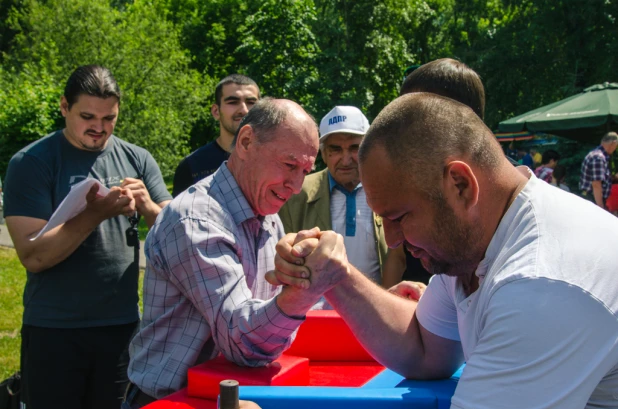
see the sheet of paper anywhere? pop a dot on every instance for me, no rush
(73, 204)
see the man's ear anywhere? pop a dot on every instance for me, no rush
(245, 141)
(214, 110)
(64, 106)
(460, 185)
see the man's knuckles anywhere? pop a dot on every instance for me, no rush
(284, 246)
(285, 279)
(307, 234)
(305, 247)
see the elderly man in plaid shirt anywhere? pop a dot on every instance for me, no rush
(207, 255)
(595, 181)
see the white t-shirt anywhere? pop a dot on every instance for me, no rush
(542, 329)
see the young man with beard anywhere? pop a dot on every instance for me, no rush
(80, 300)
(235, 95)
(529, 302)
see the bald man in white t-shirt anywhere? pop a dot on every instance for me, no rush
(525, 286)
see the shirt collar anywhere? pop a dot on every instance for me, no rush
(602, 149)
(332, 183)
(235, 200)
(507, 223)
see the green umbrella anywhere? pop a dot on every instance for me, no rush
(583, 117)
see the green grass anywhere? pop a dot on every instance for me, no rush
(12, 281)
(142, 229)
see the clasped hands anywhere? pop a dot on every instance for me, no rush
(310, 260)
(313, 262)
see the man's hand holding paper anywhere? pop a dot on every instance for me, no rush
(117, 202)
(42, 244)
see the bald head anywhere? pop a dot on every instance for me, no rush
(269, 113)
(420, 131)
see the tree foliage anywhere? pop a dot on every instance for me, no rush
(162, 96)
(279, 49)
(364, 51)
(29, 100)
(168, 54)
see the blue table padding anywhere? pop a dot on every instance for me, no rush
(387, 390)
(291, 397)
(443, 389)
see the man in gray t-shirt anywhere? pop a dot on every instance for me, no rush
(80, 300)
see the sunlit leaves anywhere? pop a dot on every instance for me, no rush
(162, 96)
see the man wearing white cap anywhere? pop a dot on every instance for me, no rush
(334, 199)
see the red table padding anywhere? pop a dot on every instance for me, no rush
(203, 379)
(324, 336)
(181, 400)
(612, 200)
(325, 353)
(345, 374)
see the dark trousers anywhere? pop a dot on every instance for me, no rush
(135, 398)
(77, 368)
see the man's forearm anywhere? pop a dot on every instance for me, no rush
(382, 322)
(295, 302)
(151, 212)
(253, 335)
(597, 192)
(386, 325)
(55, 245)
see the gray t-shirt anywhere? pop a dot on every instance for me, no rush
(97, 284)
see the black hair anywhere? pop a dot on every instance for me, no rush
(549, 155)
(449, 78)
(237, 79)
(92, 80)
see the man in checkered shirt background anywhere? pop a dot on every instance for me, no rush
(595, 181)
(207, 255)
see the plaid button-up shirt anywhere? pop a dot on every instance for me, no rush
(204, 287)
(596, 167)
(544, 173)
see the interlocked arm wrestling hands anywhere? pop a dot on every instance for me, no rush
(312, 263)
(309, 263)
(293, 270)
